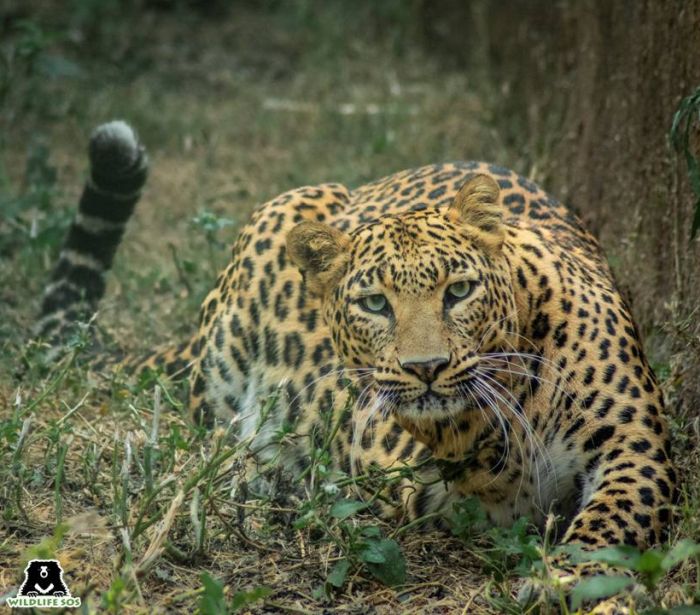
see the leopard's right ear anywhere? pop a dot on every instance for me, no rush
(478, 204)
(320, 252)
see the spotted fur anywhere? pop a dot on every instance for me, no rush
(465, 316)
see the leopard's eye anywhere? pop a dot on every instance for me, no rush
(460, 290)
(374, 303)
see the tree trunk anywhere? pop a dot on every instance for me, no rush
(595, 84)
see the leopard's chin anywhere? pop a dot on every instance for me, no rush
(432, 407)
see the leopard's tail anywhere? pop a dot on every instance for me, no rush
(118, 170)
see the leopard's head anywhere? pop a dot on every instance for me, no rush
(416, 299)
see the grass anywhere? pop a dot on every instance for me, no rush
(144, 510)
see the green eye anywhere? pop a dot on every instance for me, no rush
(374, 303)
(460, 290)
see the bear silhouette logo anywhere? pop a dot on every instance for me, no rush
(43, 586)
(43, 577)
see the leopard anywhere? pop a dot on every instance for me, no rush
(454, 317)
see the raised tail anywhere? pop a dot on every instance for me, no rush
(118, 170)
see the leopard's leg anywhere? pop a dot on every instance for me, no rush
(627, 499)
(627, 490)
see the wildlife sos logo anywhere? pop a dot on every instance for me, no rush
(43, 587)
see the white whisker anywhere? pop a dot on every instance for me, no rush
(537, 445)
(487, 394)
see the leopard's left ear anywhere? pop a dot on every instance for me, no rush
(320, 251)
(478, 204)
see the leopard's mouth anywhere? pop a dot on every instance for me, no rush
(430, 395)
(392, 394)
(428, 404)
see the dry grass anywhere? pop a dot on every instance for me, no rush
(247, 544)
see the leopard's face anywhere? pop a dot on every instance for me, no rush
(414, 300)
(419, 302)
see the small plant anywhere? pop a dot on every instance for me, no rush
(519, 552)
(211, 225)
(364, 545)
(213, 601)
(328, 512)
(30, 64)
(503, 551)
(21, 58)
(467, 519)
(115, 596)
(649, 568)
(685, 121)
(35, 219)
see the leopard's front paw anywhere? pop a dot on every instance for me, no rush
(548, 592)
(585, 586)
(613, 606)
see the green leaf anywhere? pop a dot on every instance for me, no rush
(212, 601)
(392, 571)
(343, 509)
(682, 551)
(467, 518)
(650, 566)
(650, 561)
(339, 573)
(305, 520)
(373, 552)
(372, 531)
(111, 598)
(321, 593)
(242, 599)
(622, 556)
(47, 548)
(597, 587)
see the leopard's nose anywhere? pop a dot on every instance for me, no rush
(426, 370)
